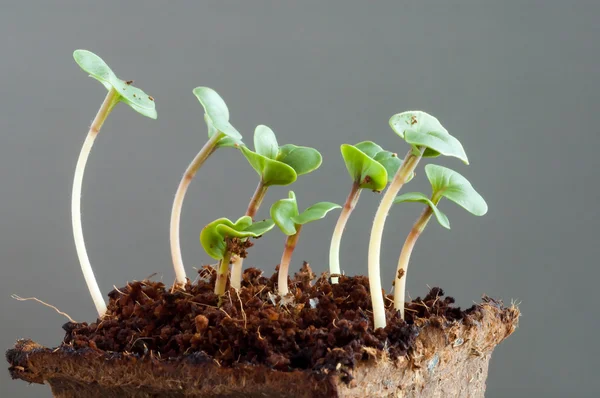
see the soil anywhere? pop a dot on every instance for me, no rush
(316, 328)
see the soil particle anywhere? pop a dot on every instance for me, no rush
(322, 327)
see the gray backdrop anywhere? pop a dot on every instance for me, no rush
(516, 82)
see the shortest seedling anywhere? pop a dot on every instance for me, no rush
(444, 183)
(285, 214)
(223, 238)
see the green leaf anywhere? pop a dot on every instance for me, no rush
(302, 159)
(131, 95)
(213, 235)
(365, 171)
(283, 212)
(450, 184)
(369, 148)
(265, 142)
(315, 212)
(419, 197)
(271, 172)
(216, 111)
(421, 129)
(391, 162)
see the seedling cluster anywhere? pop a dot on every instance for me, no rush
(370, 167)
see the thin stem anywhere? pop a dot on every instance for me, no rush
(408, 166)
(336, 239)
(286, 258)
(112, 98)
(409, 244)
(205, 152)
(237, 261)
(221, 282)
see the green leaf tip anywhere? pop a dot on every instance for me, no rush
(421, 198)
(285, 213)
(213, 236)
(451, 185)
(279, 165)
(131, 95)
(369, 165)
(216, 113)
(419, 128)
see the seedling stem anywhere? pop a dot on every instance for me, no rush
(221, 283)
(112, 98)
(402, 176)
(284, 265)
(336, 239)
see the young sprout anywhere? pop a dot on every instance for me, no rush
(370, 167)
(427, 138)
(223, 238)
(444, 183)
(220, 134)
(285, 214)
(118, 91)
(275, 165)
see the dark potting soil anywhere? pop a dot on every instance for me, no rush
(317, 328)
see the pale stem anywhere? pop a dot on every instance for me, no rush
(112, 98)
(336, 239)
(408, 166)
(205, 152)
(222, 272)
(284, 265)
(407, 248)
(237, 261)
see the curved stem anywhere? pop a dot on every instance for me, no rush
(205, 152)
(222, 272)
(336, 239)
(237, 262)
(409, 244)
(112, 98)
(286, 258)
(408, 166)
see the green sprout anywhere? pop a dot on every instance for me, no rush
(370, 168)
(275, 165)
(285, 214)
(118, 91)
(445, 183)
(221, 134)
(223, 238)
(427, 138)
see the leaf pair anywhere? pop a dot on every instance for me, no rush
(420, 129)
(451, 185)
(285, 213)
(279, 165)
(99, 70)
(369, 165)
(213, 236)
(216, 116)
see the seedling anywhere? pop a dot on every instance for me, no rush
(370, 168)
(427, 138)
(118, 91)
(223, 238)
(275, 165)
(285, 214)
(220, 134)
(444, 183)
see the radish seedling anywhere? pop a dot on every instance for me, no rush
(285, 214)
(223, 238)
(427, 138)
(275, 165)
(118, 91)
(221, 134)
(370, 168)
(445, 183)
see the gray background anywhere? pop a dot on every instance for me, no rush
(516, 82)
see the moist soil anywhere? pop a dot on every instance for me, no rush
(317, 327)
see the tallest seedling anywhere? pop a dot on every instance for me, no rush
(427, 138)
(118, 91)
